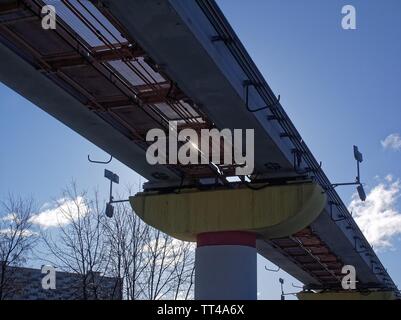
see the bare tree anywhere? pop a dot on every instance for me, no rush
(126, 236)
(184, 271)
(16, 240)
(78, 245)
(152, 264)
(171, 262)
(160, 252)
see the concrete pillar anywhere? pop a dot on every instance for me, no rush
(226, 266)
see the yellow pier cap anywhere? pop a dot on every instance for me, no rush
(272, 212)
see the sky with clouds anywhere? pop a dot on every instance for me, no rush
(378, 217)
(339, 87)
(392, 141)
(60, 212)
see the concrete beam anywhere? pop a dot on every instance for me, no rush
(205, 70)
(23, 78)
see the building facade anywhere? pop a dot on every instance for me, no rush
(26, 284)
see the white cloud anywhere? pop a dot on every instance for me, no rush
(24, 233)
(9, 217)
(393, 141)
(66, 211)
(378, 217)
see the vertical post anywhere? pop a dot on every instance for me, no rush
(225, 267)
(111, 191)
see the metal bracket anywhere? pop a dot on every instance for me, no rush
(297, 161)
(331, 203)
(295, 286)
(224, 39)
(100, 162)
(361, 246)
(247, 84)
(273, 270)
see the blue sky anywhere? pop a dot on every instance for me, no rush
(340, 87)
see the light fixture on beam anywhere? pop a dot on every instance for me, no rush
(361, 191)
(114, 178)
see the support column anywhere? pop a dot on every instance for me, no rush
(226, 259)
(226, 266)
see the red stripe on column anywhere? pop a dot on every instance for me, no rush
(239, 238)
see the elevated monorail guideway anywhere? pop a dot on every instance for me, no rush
(113, 70)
